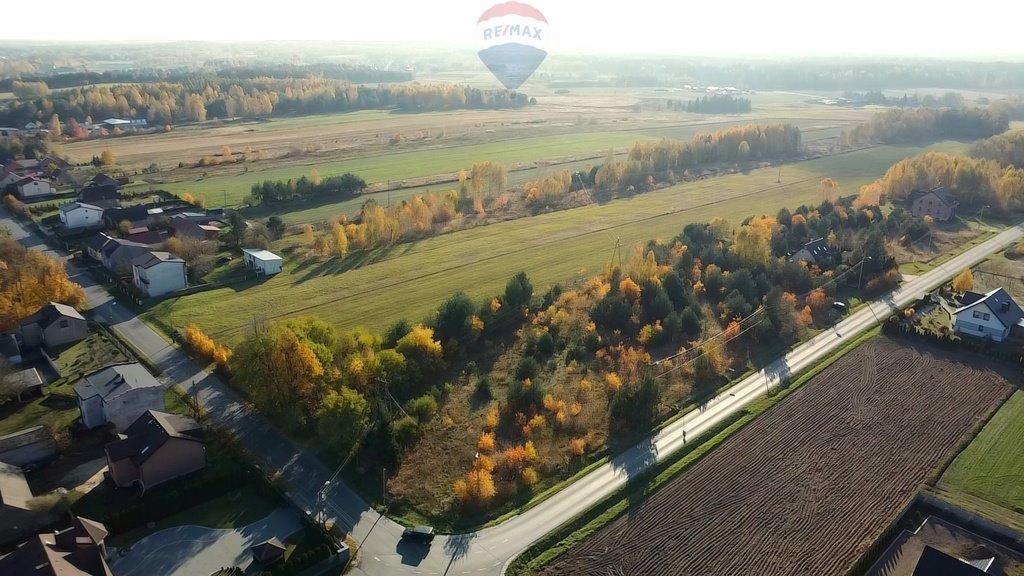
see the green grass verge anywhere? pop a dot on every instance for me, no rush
(557, 247)
(557, 542)
(992, 466)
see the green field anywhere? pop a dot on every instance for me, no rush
(403, 165)
(411, 280)
(992, 466)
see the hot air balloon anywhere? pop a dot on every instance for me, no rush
(513, 36)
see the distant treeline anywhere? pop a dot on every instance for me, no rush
(947, 100)
(713, 104)
(347, 185)
(354, 74)
(1007, 149)
(914, 126)
(649, 162)
(205, 98)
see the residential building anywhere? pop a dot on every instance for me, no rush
(159, 273)
(118, 394)
(262, 262)
(268, 552)
(934, 562)
(81, 215)
(937, 203)
(96, 193)
(184, 226)
(118, 255)
(16, 516)
(95, 244)
(76, 551)
(156, 448)
(52, 326)
(32, 187)
(814, 252)
(990, 315)
(147, 236)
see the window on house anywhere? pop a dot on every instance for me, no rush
(981, 328)
(985, 316)
(977, 314)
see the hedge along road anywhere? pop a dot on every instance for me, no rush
(486, 550)
(360, 289)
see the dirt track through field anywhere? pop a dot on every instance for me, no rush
(807, 487)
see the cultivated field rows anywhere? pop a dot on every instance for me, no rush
(807, 487)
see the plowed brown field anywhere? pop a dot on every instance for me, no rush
(805, 488)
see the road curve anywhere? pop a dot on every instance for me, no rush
(490, 550)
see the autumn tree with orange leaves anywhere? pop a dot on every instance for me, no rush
(30, 279)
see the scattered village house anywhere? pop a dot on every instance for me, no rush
(156, 448)
(32, 187)
(263, 262)
(81, 215)
(159, 273)
(991, 315)
(118, 394)
(185, 226)
(118, 254)
(146, 235)
(52, 326)
(103, 195)
(934, 562)
(76, 551)
(937, 203)
(16, 516)
(814, 252)
(267, 552)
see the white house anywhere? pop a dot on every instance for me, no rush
(158, 273)
(30, 187)
(80, 215)
(990, 315)
(262, 261)
(118, 394)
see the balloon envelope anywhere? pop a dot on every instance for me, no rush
(513, 36)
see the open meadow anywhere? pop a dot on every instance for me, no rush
(375, 288)
(807, 487)
(992, 467)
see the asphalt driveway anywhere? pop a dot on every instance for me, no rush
(197, 550)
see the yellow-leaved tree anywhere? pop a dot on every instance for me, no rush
(964, 281)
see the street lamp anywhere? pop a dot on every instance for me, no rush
(861, 276)
(981, 214)
(321, 497)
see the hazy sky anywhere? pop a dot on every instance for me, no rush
(730, 27)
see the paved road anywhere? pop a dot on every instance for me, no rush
(490, 550)
(199, 551)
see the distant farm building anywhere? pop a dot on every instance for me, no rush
(937, 203)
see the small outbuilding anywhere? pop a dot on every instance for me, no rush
(263, 262)
(25, 384)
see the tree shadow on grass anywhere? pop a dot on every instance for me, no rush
(339, 264)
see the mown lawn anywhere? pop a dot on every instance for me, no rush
(399, 166)
(992, 466)
(373, 289)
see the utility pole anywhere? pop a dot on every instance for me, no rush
(616, 253)
(384, 488)
(861, 276)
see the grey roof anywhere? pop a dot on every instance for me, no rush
(94, 192)
(970, 297)
(51, 312)
(14, 490)
(1001, 304)
(268, 550)
(115, 243)
(97, 242)
(115, 380)
(262, 255)
(75, 205)
(70, 552)
(934, 562)
(153, 258)
(149, 432)
(26, 379)
(818, 248)
(945, 195)
(24, 438)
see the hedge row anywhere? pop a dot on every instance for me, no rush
(321, 547)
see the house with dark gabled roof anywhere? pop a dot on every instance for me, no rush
(75, 551)
(814, 252)
(94, 245)
(81, 215)
(990, 315)
(96, 193)
(117, 255)
(52, 326)
(938, 203)
(934, 562)
(156, 448)
(118, 394)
